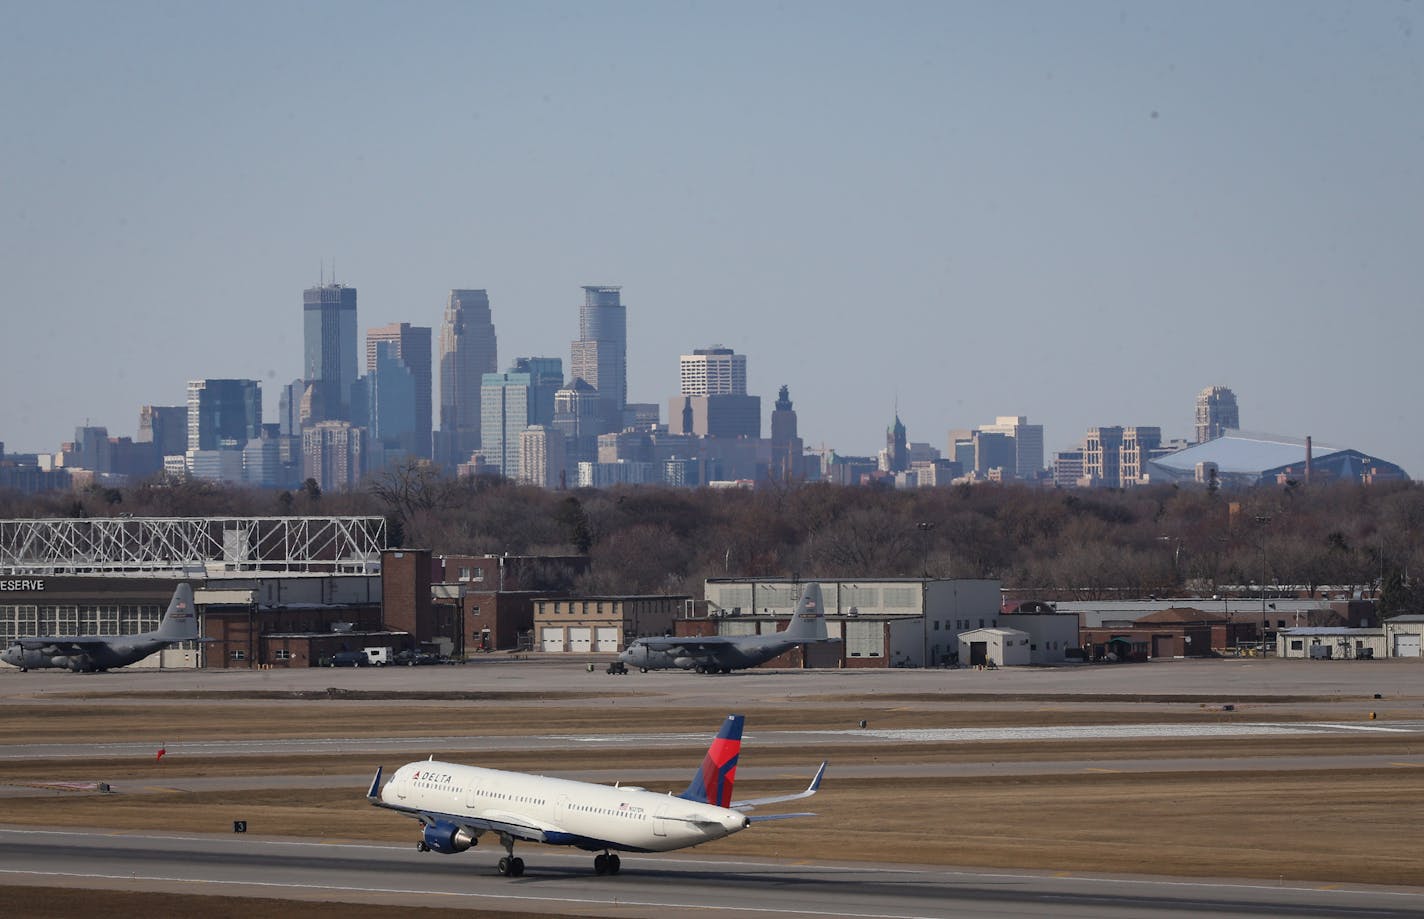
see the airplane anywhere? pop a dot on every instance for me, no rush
(88, 653)
(457, 804)
(725, 653)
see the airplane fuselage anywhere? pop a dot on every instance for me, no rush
(115, 652)
(567, 813)
(730, 655)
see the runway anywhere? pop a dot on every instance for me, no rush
(560, 882)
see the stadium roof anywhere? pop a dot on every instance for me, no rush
(1245, 453)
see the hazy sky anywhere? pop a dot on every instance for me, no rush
(1081, 212)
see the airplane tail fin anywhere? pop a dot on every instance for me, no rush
(713, 782)
(809, 621)
(180, 623)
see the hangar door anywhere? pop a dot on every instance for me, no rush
(607, 638)
(1406, 645)
(580, 639)
(552, 638)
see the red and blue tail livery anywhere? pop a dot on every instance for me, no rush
(713, 782)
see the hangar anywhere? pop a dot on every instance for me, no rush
(882, 622)
(315, 581)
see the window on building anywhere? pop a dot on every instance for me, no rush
(239, 655)
(464, 574)
(282, 654)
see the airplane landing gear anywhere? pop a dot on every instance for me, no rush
(510, 866)
(607, 863)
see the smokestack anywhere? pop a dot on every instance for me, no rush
(1307, 459)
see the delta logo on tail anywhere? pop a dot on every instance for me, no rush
(713, 782)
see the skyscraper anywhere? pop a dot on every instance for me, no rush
(333, 454)
(505, 410)
(897, 453)
(467, 352)
(542, 458)
(600, 356)
(223, 413)
(1216, 412)
(411, 346)
(576, 417)
(164, 426)
(714, 371)
(391, 406)
(787, 463)
(329, 346)
(546, 377)
(1027, 442)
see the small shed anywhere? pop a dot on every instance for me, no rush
(1404, 635)
(998, 646)
(1330, 643)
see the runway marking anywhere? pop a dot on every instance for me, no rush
(426, 892)
(1365, 727)
(1100, 769)
(745, 864)
(1416, 765)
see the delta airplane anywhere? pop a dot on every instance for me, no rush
(457, 804)
(725, 653)
(88, 653)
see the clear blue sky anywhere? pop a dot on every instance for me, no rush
(1082, 212)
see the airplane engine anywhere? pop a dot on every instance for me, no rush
(684, 663)
(447, 839)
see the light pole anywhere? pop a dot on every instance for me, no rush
(1176, 542)
(924, 529)
(1263, 519)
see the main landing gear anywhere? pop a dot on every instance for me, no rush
(511, 866)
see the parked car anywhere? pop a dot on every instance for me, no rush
(414, 658)
(349, 659)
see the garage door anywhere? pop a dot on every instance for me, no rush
(552, 638)
(607, 638)
(1406, 645)
(580, 639)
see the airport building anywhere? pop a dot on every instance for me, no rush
(881, 622)
(269, 591)
(581, 625)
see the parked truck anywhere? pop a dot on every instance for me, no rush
(379, 656)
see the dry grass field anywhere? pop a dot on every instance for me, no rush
(1297, 822)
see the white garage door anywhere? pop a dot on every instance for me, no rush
(607, 638)
(580, 639)
(552, 638)
(1406, 645)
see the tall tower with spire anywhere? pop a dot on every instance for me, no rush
(897, 450)
(787, 464)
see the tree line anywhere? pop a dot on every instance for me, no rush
(1045, 543)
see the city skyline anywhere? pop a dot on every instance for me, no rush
(1080, 213)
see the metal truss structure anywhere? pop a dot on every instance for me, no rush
(185, 546)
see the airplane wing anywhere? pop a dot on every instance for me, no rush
(705, 643)
(515, 825)
(811, 789)
(62, 644)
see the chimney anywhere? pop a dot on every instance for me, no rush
(1307, 459)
